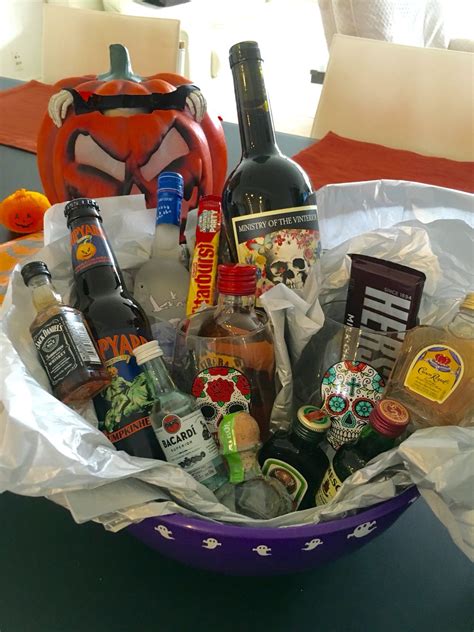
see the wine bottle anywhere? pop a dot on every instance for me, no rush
(269, 211)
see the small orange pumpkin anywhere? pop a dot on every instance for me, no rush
(23, 211)
(118, 152)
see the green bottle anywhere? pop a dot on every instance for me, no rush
(178, 422)
(387, 421)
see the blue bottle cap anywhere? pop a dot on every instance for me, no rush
(170, 195)
(171, 180)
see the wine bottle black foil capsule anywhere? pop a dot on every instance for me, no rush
(265, 180)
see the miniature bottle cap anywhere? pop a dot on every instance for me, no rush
(171, 180)
(468, 302)
(237, 279)
(313, 418)
(238, 433)
(148, 351)
(389, 417)
(32, 269)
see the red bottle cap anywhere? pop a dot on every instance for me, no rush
(238, 279)
(389, 417)
(211, 201)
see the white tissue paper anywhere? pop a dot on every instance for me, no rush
(47, 449)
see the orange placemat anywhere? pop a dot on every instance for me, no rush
(336, 159)
(16, 251)
(22, 109)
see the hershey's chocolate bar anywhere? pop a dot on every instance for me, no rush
(382, 296)
(382, 303)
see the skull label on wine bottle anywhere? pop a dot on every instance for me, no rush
(283, 244)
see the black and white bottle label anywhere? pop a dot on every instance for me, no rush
(64, 344)
(187, 442)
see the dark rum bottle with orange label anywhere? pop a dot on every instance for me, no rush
(118, 325)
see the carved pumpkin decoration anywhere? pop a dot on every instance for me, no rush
(23, 211)
(104, 136)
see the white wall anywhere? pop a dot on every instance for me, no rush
(20, 38)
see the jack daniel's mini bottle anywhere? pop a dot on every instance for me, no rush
(63, 341)
(118, 324)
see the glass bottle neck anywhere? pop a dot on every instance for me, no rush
(100, 279)
(44, 294)
(257, 133)
(231, 302)
(371, 442)
(301, 437)
(158, 379)
(166, 239)
(462, 324)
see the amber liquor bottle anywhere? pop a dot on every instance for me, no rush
(236, 353)
(118, 324)
(63, 341)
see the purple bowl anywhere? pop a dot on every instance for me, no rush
(235, 550)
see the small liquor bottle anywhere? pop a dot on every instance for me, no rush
(178, 423)
(387, 421)
(248, 492)
(236, 352)
(63, 341)
(434, 372)
(296, 459)
(161, 284)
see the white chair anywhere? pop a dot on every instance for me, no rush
(405, 97)
(76, 42)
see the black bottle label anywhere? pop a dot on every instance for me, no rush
(64, 344)
(283, 244)
(123, 407)
(89, 247)
(295, 483)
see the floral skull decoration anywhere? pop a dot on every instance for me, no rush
(220, 391)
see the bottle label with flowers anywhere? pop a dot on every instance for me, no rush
(435, 373)
(283, 244)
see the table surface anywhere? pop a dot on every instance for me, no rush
(57, 576)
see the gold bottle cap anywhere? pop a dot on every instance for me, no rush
(468, 302)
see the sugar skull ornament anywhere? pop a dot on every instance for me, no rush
(115, 133)
(220, 391)
(349, 391)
